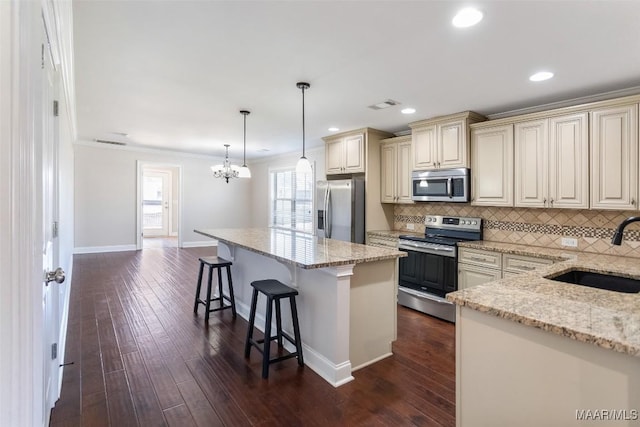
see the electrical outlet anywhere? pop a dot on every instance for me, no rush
(410, 226)
(569, 241)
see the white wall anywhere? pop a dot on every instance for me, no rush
(260, 180)
(105, 195)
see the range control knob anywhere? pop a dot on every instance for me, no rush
(474, 222)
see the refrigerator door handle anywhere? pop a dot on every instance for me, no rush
(325, 207)
(328, 214)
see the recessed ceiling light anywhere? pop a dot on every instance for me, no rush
(333, 129)
(467, 17)
(408, 110)
(540, 76)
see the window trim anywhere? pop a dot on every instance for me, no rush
(270, 201)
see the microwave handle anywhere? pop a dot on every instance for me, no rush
(449, 188)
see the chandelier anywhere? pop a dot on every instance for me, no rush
(226, 170)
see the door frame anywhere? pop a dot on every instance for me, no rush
(140, 166)
(168, 216)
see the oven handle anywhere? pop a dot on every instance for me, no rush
(424, 295)
(433, 251)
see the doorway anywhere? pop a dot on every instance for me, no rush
(158, 206)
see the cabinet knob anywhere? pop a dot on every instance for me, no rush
(633, 202)
(551, 201)
(544, 201)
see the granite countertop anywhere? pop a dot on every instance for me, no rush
(394, 234)
(303, 250)
(607, 319)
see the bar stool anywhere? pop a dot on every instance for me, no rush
(217, 263)
(274, 291)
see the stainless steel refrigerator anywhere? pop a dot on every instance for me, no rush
(340, 209)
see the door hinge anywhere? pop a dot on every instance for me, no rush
(56, 113)
(54, 351)
(54, 230)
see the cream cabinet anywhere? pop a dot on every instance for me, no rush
(478, 266)
(345, 154)
(395, 170)
(492, 165)
(551, 162)
(442, 142)
(614, 157)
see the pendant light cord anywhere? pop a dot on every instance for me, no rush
(303, 88)
(244, 156)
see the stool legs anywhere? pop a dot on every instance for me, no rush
(252, 319)
(267, 340)
(195, 304)
(233, 299)
(296, 330)
(208, 302)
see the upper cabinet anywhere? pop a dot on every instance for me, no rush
(345, 154)
(442, 142)
(551, 162)
(614, 157)
(492, 165)
(395, 170)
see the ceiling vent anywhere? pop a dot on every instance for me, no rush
(105, 141)
(384, 104)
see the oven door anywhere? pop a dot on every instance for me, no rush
(428, 272)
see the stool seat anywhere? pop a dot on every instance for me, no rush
(215, 261)
(218, 263)
(274, 291)
(273, 288)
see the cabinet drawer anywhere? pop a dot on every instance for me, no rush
(523, 264)
(472, 275)
(479, 257)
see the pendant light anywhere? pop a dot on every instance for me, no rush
(244, 169)
(303, 166)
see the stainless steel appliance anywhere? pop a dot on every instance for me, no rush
(430, 269)
(442, 185)
(340, 209)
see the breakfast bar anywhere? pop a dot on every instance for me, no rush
(347, 293)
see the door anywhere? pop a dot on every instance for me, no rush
(409, 270)
(354, 154)
(492, 166)
(403, 173)
(388, 173)
(333, 156)
(424, 147)
(50, 257)
(156, 190)
(452, 145)
(531, 164)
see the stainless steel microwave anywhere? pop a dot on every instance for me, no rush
(442, 185)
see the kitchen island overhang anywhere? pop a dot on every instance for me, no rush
(347, 293)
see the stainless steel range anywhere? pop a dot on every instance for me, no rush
(430, 269)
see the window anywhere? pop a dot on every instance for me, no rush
(291, 200)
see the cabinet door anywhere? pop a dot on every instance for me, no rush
(614, 158)
(333, 157)
(492, 166)
(388, 174)
(354, 154)
(471, 275)
(424, 147)
(452, 145)
(403, 173)
(531, 167)
(569, 162)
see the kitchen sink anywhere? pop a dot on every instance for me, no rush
(600, 281)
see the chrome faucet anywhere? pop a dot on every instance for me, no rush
(617, 236)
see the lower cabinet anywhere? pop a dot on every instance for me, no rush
(478, 266)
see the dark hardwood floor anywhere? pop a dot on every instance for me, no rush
(142, 358)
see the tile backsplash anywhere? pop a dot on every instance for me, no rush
(537, 227)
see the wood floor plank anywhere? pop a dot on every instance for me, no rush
(143, 358)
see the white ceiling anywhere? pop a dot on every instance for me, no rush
(174, 74)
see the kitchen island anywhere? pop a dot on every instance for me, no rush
(531, 351)
(347, 293)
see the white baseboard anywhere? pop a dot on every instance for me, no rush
(200, 244)
(99, 249)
